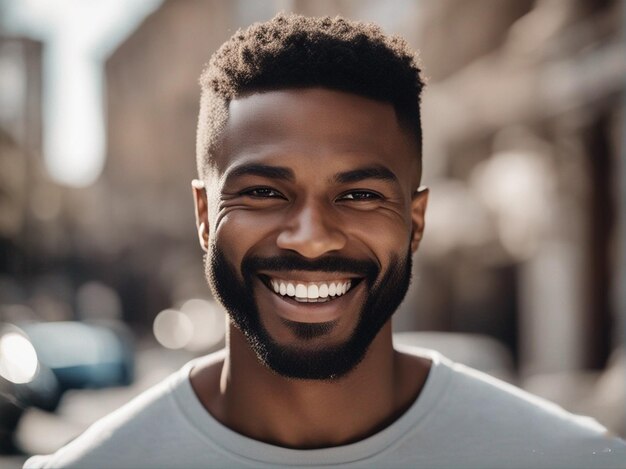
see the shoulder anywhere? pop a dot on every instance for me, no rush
(103, 441)
(149, 427)
(468, 393)
(484, 415)
(501, 403)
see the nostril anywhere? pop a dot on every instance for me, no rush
(311, 247)
(311, 232)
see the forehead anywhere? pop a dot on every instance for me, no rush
(318, 124)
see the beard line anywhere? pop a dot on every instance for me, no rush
(327, 363)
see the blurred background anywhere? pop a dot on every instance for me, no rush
(522, 271)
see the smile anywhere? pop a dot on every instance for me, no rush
(310, 292)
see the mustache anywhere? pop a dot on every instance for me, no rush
(289, 262)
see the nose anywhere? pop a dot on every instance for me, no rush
(311, 232)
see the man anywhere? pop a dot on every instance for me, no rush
(309, 209)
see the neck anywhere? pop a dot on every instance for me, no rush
(247, 397)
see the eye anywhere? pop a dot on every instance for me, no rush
(360, 196)
(263, 193)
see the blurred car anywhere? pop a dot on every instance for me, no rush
(41, 361)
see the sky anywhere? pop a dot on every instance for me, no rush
(78, 36)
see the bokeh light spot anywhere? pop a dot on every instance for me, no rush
(172, 329)
(208, 322)
(18, 359)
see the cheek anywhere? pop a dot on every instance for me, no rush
(238, 232)
(383, 235)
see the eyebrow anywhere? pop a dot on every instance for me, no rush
(262, 170)
(361, 174)
(286, 174)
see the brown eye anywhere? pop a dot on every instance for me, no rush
(263, 193)
(361, 196)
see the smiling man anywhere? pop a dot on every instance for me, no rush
(309, 209)
(311, 227)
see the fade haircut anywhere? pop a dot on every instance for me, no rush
(292, 51)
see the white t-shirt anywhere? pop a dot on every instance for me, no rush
(462, 418)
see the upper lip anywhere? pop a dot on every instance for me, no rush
(309, 276)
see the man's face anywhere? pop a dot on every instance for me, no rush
(310, 219)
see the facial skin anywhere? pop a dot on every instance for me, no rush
(311, 187)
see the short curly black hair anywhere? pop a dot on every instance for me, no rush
(293, 51)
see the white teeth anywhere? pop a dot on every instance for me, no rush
(301, 291)
(310, 292)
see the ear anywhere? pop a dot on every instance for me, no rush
(202, 216)
(418, 211)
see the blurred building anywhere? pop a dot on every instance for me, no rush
(36, 252)
(20, 131)
(525, 136)
(20, 150)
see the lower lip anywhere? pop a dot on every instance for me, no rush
(292, 310)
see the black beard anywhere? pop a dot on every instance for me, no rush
(328, 363)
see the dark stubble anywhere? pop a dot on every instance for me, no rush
(384, 295)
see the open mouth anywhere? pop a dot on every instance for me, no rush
(310, 292)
